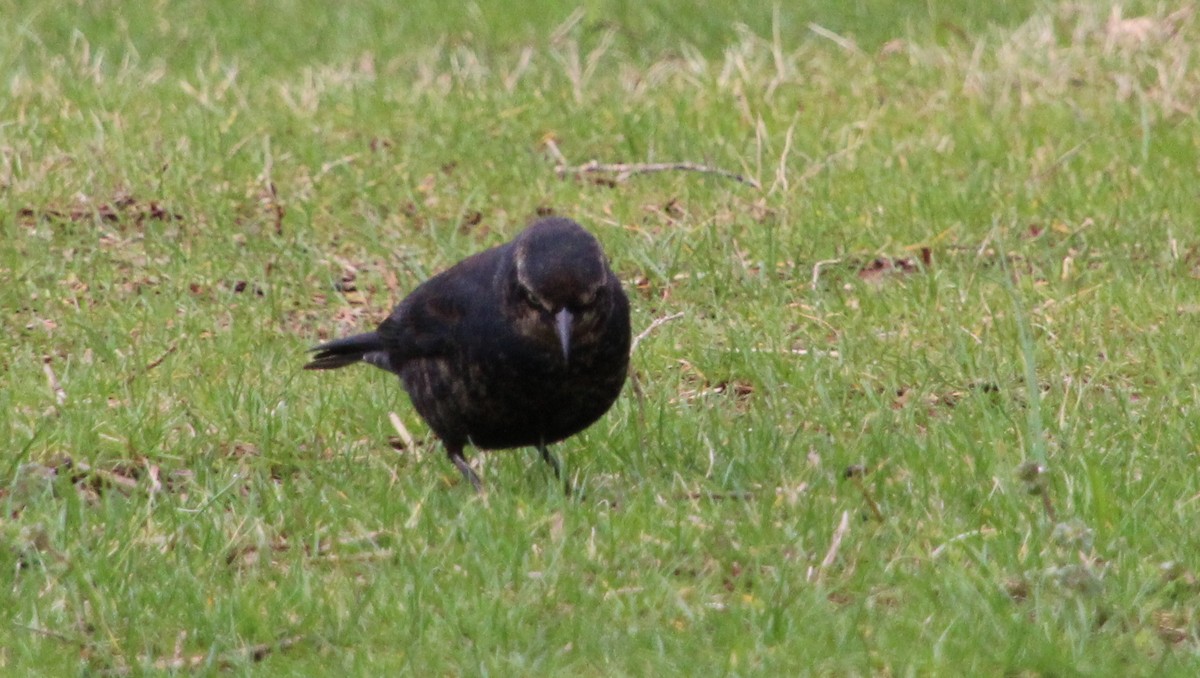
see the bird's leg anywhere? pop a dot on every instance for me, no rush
(456, 457)
(550, 459)
(553, 461)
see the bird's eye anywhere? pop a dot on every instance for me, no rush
(592, 299)
(528, 298)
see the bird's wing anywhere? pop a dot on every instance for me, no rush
(435, 318)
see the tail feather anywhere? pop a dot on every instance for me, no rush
(341, 352)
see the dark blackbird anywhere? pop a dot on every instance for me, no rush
(521, 345)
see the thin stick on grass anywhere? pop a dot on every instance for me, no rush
(816, 167)
(845, 43)
(720, 496)
(654, 324)
(60, 395)
(633, 378)
(866, 494)
(402, 431)
(816, 270)
(835, 545)
(856, 473)
(177, 662)
(552, 148)
(364, 557)
(984, 532)
(115, 479)
(253, 653)
(623, 171)
(627, 170)
(55, 635)
(157, 361)
(1061, 161)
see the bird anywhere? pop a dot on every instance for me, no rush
(521, 345)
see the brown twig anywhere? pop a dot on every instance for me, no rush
(835, 545)
(816, 271)
(552, 147)
(62, 637)
(277, 209)
(177, 662)
(855, 473)
(364, 557)
(625, 170)
(845, 43)
(1048, 507)
(655, 324)
(866, 493)
(60, 395)
(254, 653)
(638, 392)
(983, 532)
(719, 496)
(402, 431)
(157, 361)
(1061, 161)
(115, 479)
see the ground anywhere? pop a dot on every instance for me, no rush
(915, 391)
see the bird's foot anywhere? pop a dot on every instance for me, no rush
(468, 473)
(554, 464)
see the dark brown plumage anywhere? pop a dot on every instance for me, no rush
(521, 345)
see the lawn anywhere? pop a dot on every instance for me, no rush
(918, 297)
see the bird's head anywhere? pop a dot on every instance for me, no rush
(560, 288)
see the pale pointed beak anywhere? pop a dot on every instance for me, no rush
(562, 325)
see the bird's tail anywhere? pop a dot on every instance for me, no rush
(341, 352)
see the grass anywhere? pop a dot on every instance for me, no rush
(931, 407)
